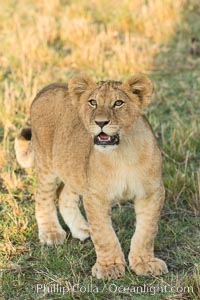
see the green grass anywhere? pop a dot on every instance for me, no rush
(174, 115)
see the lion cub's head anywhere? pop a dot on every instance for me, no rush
(109, 109)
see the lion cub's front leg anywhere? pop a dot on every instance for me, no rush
(110, 261)
(141, 256)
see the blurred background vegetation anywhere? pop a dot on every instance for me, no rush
(50, 40)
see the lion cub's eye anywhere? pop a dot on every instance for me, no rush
(118, 103)
(92, 103)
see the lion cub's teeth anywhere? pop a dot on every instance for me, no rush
(107, 139)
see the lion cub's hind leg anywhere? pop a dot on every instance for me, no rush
(68, 206)
(50, 230)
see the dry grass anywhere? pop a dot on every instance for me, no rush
(47, 41)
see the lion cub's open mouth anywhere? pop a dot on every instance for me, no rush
(105, 139)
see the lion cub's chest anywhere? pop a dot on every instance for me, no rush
(126, 183)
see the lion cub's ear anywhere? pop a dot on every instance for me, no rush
(141, 86)
(78, 85)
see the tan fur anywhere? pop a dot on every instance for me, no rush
(63, 129)
(23, 148)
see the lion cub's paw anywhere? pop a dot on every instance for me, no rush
(155, 266)
(52, 237)
(81, 231)
(108, 272)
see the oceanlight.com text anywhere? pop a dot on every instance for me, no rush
(69, 288)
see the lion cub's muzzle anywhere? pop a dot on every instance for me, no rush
(104, 139)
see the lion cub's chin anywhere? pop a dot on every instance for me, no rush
(105, 148)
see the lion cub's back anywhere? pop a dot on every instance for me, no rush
(47, 110)
(48, 99)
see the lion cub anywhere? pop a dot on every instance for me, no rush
(95, 138)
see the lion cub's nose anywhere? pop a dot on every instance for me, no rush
(102, 123)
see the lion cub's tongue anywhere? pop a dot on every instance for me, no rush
(104, 137)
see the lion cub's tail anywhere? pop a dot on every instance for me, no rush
(23, 148)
